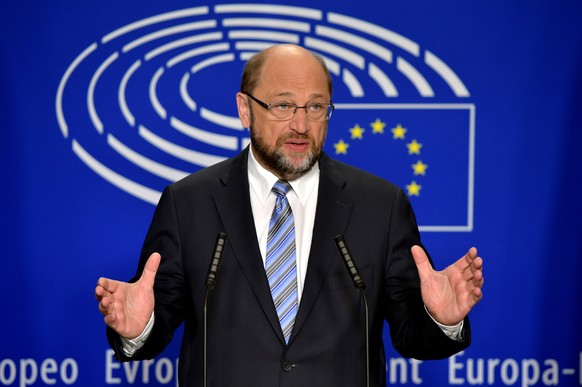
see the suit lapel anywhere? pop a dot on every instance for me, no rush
(234, 208)
(332, 214)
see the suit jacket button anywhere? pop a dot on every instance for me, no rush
(287, 365)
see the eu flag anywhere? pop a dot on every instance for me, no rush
(426, 149)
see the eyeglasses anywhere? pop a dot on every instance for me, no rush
(283, 111)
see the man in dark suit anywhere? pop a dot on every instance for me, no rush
(314, 333)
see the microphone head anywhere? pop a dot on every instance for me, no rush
(350, 264)
(213, 271)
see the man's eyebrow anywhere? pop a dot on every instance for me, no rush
(290, 95)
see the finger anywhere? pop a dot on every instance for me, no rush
(477, 264)
(111, 320)
(103, 282)
(106, 306)
(473, 280)
(151, 267)
(106, 303)
(478, 279)
(467, 262)
(471, 255)
(106, 310)
(474, 271)
(108, 285)
(474, 288)
(99, 293)
(105, 299)
(422, 262)
(102, 309)
(477, 295)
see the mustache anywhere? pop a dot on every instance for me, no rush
(295, 136)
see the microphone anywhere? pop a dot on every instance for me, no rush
(352, 269)
(210, 284)
(213, 270)
(360, 285)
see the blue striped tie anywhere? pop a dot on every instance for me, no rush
(280, 262)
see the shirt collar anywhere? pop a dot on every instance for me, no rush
(262, 180)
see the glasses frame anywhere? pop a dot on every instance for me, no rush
(330, 108)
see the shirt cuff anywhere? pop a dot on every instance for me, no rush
(452, 331)
(130, 346)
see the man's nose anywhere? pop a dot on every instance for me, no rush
(299, 121)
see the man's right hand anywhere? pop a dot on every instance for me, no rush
(127, 307)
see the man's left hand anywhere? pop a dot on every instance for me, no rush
(450, 294)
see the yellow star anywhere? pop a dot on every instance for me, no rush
(378, 126)
(357, 132)
(414, 147)
(399, 132)
(413, 189)
(341, 147)
(419, 168)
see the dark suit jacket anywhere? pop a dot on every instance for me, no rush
(245, 343)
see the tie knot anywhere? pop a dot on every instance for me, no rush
(281, 188)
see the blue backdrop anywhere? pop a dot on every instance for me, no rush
(474, 108)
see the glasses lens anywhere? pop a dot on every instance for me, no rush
(282, 111)
(315, 112)
(318, 112)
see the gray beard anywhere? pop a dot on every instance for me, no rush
(278, 163)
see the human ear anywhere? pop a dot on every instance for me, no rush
(244, 113)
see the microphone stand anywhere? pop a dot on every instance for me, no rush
(361, 286)
(210, 284)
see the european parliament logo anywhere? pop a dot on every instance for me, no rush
(153, 101)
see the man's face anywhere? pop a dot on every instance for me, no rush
(289, 148)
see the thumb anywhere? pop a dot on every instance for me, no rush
(151, 267)
(422, 262)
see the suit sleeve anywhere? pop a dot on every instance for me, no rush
(413, 332)
(163, 237)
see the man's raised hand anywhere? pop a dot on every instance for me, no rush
(127, 307)
(450, 294)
